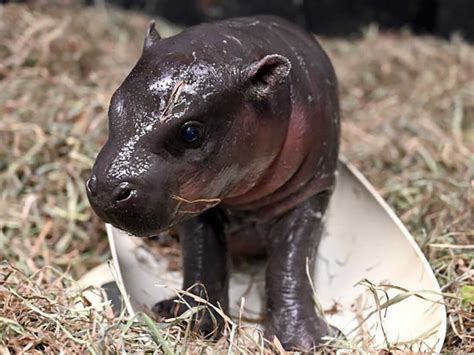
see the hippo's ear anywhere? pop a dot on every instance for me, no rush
(152, 36)
(263, 77)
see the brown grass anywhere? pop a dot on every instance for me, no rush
(408, 124)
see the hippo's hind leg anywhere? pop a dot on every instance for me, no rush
(293, 240)
(205, 271)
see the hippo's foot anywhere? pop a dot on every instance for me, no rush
(205, 322)
(304, 335)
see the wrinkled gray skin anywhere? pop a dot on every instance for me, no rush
(257, 181)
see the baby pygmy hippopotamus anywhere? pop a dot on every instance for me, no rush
(229, 133)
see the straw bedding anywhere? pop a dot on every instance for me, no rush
(408, 124)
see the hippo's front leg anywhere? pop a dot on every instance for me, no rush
(205, 270)
(291, 315)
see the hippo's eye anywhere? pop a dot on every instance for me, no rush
(192, 133)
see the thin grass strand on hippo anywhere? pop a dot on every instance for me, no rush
(228, 132)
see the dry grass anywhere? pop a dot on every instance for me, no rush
(408, 111)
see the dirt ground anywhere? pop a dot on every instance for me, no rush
(408, 125)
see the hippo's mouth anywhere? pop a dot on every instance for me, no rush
(136, 222)
(142, 233)
(148, 228)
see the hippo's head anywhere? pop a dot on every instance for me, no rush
(189, 127)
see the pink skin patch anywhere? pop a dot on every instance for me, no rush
(285, 164)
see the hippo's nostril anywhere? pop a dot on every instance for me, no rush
(91, 185)
(123, 192)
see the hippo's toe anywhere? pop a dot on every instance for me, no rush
(203, 322)
(310, 334)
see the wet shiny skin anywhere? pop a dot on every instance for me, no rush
(265, 95)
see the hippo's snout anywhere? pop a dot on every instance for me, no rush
(134, 205)
(110, 200)
(125, 192)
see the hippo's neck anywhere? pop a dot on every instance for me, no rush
(294, 175)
